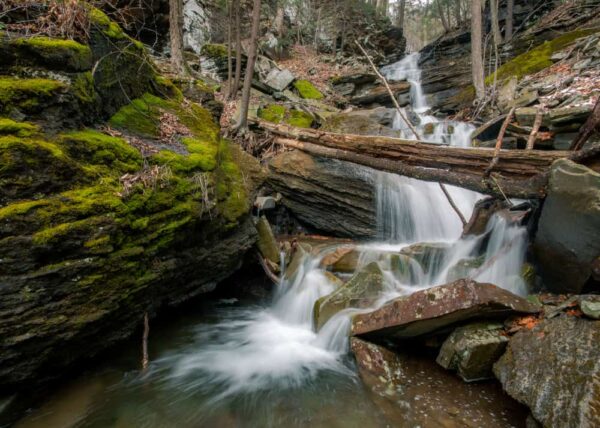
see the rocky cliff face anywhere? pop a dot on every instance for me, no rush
(100, 225)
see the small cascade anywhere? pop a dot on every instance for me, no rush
(277, 346)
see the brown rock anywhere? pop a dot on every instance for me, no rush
(435, 308)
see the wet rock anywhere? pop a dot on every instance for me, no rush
(472, 350)
(379, 95)
(298, 257)
(342, 259)
(554, 369)
(430, 310)
(483, 212)
(411, 391)
(361, 291)
(327, 196)
(267, 244)
(464, 268)
(568, 237)
(429, 255)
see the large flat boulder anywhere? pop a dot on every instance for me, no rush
(433, 309)
(328, 196)
(568, 237)
(554, 368)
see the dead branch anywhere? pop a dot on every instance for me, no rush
(499, 143)
(536, 127)
(453, 205)
(387, 86)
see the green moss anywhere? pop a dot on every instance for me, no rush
(538, 58)
(299, 119)
(202, 157)
(72, 54)
(96, 148)
(215, 51)
(26, 93)
(19, 129)
(272, 113)
(141, 116)
(83, 87)
(307, 90)
(166, 88)
(231, 191)
(105, 24)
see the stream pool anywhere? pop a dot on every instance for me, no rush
(177, 391)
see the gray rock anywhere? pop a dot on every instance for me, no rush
(472, 350)
(570, 114)
(375, 121)
(568, 237)
(590, 306)
(554, 369)
(361, 291)
(279, 79)
(265, 203)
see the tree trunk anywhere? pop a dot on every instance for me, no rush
(243, 120)
(176, 35)
(508, 32)
(457, 15)
(495, 23)
(230, 89)
(238, 49)
(476, 49)
(400, 16)
(442, 16)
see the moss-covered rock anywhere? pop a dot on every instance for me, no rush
(214, 51)
(54, 54)
(307, 90)
(276, 113)
(93, 233)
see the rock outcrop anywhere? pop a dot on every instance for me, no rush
(554, 368)
(97, 229)
(568, 237)
(436, 308)
(327, 196)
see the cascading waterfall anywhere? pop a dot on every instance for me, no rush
(277, 346)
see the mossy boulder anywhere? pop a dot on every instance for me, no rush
(361, 292)
(276, 113)
(307, 90)
(94, 230)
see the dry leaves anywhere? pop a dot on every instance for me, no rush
(150, 177)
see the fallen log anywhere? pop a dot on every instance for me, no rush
(518, 173)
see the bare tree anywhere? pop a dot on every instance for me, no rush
(495, 22)
(508, 32)
(476, 49)
(243, 120)
(176, 35)
(238, 49)
(401, 5)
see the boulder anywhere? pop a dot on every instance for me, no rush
(590, 306)
(379, 94)
(328, 196)
(436, 308)
(464, 268)
(267, 244)
(472, 350)
(554, 368)
(377, 121)
(570, 114)
(361, 291)
(413, 391)
(568, 237)
(279, 79)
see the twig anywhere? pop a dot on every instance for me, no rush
(536, 128)
(496, 157)
(145, 359)
(453, 205)
(387, 86)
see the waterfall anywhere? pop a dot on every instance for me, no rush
(277, 346)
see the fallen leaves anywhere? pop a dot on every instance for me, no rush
(150, 177)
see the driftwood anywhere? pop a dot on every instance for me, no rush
(518, 173)
(499, 141)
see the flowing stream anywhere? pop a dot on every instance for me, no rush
(254, 366)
